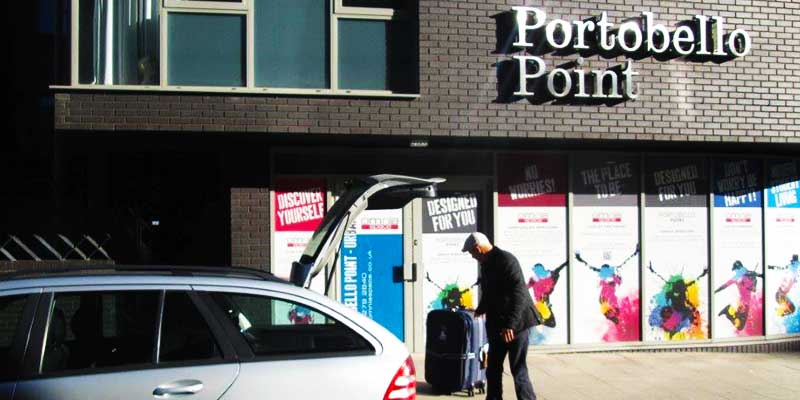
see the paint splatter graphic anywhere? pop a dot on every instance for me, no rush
(451, 296)
(786, 293)
(623, 314)
(745, 314)
(300, 316)
(543, 283)
(675, 308)
(627, 327)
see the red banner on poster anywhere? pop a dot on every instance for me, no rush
(531, 180)
(299, 204)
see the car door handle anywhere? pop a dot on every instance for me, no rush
(184, 387)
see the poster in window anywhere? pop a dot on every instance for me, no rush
(450, 274)
(675, 270)
(532, 224)
(371, 248)
(782, 225)
(605, 264)
(738, 272)
(299, 205)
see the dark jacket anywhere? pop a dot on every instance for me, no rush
(504, 296)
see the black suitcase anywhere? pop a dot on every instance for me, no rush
(455, 345)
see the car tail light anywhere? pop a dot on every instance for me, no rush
(404, 383)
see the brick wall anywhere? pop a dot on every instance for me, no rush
(250, 226)
(753, 99)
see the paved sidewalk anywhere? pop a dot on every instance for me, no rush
(674, 376)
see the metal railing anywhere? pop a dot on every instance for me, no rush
(58, 247)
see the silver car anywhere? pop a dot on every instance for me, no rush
(118, 332)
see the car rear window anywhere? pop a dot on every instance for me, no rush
(278, 327)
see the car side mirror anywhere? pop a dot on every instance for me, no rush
(299, 273)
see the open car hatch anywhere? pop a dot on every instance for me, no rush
(373, 192)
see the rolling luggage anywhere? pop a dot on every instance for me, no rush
(455, 346)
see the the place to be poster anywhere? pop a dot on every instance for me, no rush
(371, 248)
(605, 265)
(450, 274)
(676, 254)
(531, 223)
(782, 246)
(737, 271)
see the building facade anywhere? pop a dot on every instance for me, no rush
(640, 158)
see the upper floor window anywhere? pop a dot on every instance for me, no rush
(317, 46)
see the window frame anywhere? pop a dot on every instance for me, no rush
(247, 9)
(34, 358)
(245, 351)
(207, 4)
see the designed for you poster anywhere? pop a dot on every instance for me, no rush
(782, 234)
(532, 224)
(450, 275)
(738, 275)
(605, 222)
(676, 249)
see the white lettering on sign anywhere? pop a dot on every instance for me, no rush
(703, 36)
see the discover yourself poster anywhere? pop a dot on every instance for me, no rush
(782, 234)
(299, 206)
(298, 209)
(532, 224)
(676, 255)
(371, 248)
(738, 273)
(450, 275)
(605, 219)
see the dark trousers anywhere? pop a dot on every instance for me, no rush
(517, 351)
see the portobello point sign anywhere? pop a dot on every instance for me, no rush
(526, 35)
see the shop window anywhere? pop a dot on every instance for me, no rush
(291, 44)
(206, 50)
(118, 42)
(376, 55)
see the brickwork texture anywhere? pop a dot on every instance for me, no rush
(751, 99)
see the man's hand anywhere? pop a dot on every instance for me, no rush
(507, 335)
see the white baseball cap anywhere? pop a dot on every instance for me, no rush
(475, 239)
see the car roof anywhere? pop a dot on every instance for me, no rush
(137, 274)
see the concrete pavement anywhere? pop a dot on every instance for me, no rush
(644, 375)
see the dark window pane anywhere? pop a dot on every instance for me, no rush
(377, 55)
(118, 42)
(185, 336)
(291, 44)
(89, 330)
(10, 315)
(206, 50)
(272, 326)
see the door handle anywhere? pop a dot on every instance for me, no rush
(413, 273)
(183, 387)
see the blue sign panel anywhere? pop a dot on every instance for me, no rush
(371, 249)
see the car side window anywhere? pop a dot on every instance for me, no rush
(11, 308)
(279, 327)
(92, 330)
(185, 335)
